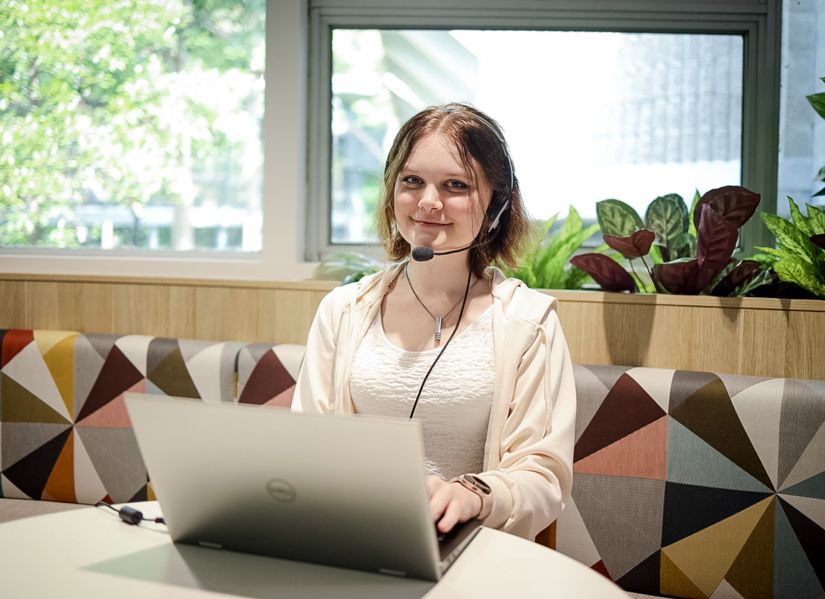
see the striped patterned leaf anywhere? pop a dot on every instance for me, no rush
(617, 218)
(605, 271)
(715, 240)
(737, 204)
(668, 217)
(633, 246)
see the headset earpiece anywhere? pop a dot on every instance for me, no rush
(498, 204)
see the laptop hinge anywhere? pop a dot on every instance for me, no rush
(209, 545)
(391, 572)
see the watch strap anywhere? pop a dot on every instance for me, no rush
(477, 485)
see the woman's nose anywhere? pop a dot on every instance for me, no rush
(430, 199)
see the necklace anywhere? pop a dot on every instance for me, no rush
(438, 319)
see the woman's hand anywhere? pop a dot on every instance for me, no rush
(451, 503)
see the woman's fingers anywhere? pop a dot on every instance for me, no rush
(439, 497)
(450, 503)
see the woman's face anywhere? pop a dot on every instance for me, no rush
(437, 203)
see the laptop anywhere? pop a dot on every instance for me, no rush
(345, 491)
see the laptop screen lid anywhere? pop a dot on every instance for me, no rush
(339, 490)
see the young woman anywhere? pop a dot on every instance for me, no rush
(442, 336)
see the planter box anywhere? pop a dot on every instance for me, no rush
(753, 336)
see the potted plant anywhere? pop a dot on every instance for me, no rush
(347, 267)
(683, 251)
(545, 261)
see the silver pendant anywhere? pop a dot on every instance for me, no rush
(438, 328)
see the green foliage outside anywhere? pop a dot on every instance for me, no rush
(119, 102)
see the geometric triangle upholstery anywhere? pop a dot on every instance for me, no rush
(65, 434)
(695, 484)
(266, 373)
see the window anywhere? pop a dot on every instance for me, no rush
(634, 115)
(296, 176)
(802, 131)
(131, 125)
(644, 101)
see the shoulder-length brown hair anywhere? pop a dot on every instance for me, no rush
(476, 137)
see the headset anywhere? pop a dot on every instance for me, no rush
(501, 199)
(499, 203)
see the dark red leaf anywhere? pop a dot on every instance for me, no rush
(715, 239)
(683, 278)
(605, 271)
(636, 245)
(737, 204)
(743, 271)
(818, 240)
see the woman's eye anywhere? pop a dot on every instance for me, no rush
(456, 184)
(411, 180)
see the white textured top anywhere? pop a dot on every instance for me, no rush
(454, 408)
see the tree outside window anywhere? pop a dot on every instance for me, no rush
(131, 123)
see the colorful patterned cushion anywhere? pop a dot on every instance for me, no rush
(693, 484)
(267, 373)
(64, 431)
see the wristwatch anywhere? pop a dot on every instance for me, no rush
(476, 484)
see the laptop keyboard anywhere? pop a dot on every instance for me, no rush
(451, 543)
(446, 537)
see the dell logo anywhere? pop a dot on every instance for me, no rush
(281, 490)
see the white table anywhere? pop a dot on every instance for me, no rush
(91, 553)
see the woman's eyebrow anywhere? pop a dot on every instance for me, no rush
(452, 174)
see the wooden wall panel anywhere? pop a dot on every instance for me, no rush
(294, 312)
(182, 302)
(804, 347)
(225, 313)
(763, 337)
(13, 302)
(142, 308)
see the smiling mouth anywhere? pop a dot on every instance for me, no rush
(427, 223)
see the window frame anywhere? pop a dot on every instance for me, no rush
(758, 21)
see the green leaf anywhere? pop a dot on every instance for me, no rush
(544, 262)
(775, 253)
(791, 240)
(346, 267)
(683, 246)
(799, 220)
(801, 273)
(668, 217)
(696, 197)
(656, 255)
(617, 218)
(763, 278)
(816, 219)
(552, 270)
(818, 103)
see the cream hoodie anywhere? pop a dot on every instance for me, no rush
(528, 454)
